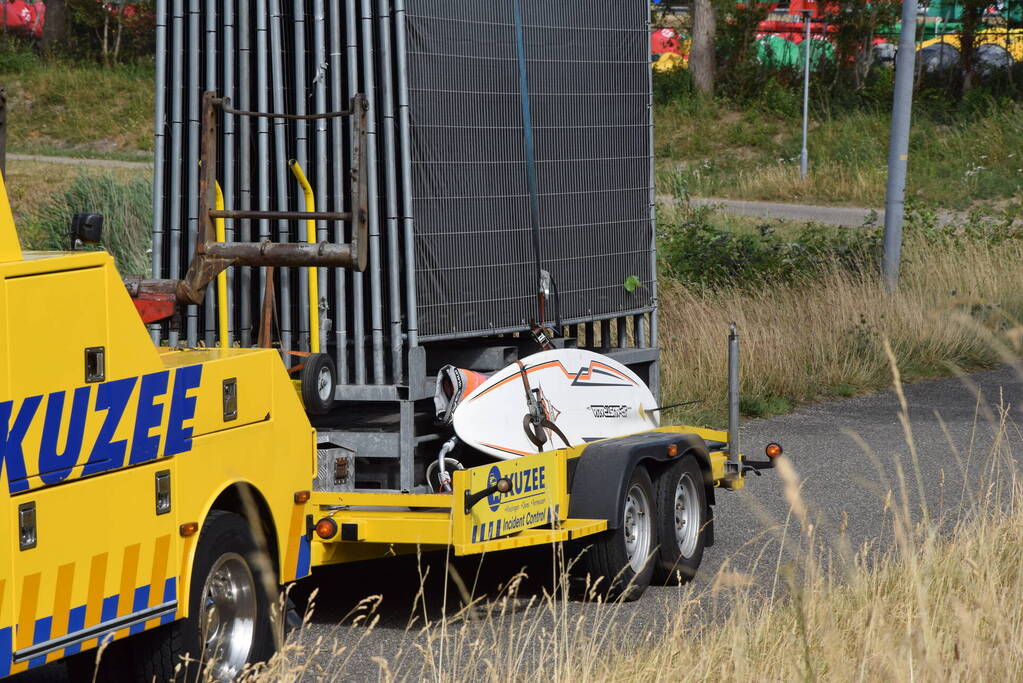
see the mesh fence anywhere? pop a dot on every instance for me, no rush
(587, 73)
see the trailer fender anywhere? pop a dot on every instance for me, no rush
(599, 476)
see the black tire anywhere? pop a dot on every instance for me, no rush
(683, 523)
(606, 559)
(224, 542)
(318, 379)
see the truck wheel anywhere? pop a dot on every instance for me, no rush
(229, 611)
(318, 379)
(682, 521)
(621, 561)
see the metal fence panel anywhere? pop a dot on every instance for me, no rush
(587, 78)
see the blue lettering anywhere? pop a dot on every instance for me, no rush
(106, 453)
(525, 481)
(517, 476)
(55, 467)
(144, 446)
(10, 441)
(179, 437)
(543, 474)
(536, 476)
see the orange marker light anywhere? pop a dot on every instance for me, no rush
(672, 450)
(301, 497)
(188, 528)
(773, 450)
(326, 528)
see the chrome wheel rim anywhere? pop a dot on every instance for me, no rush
(229, 615)
(638, 527)
(687, 516)
(323, 384)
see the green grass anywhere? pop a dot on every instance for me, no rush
(717, 151)
(77, 109)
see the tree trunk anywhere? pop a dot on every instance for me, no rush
(701, 54)
(54, 26)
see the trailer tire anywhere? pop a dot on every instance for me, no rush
(226, 558)
(318, 380)
(620, 562)
(682, 520)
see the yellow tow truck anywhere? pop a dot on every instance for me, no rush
(164, 495)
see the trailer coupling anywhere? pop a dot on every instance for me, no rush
(736, 466)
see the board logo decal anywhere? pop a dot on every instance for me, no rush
(619, 412)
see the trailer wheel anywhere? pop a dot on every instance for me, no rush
(318, 379)
(682, 521)
(229, 612)
(621, 561)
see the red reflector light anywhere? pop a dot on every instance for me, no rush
(188, 528)
(301, 497)
(773, 450)
(326, 528)
(672, 450)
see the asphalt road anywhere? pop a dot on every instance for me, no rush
(845, 453)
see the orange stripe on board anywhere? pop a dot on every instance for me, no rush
(507, 450)
(159, 575)
(582, 374)
(94, 600)
(294, 540)
(29, 606)
(129, 571)
(61, 605)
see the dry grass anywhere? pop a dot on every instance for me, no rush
(942, 602)
(802, 343)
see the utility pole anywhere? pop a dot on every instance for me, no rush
(804, 155)
(898, 147)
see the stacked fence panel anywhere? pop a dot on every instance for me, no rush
(587, 88)
(451, 252)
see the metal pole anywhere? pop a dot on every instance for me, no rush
(358, 299)
(375, 287)
(898, 148)
(733, 397)
(262, 133)
(280, 161)
(321, 152)
(177, 123)
(192, 158)
(245, 84)
(159, 135)
(804, 156)
(301, 141)
(229, 150)
(338, 101)
(405, 139)
(210, 59)
(391, 185)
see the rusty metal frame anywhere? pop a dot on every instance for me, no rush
(212, 257)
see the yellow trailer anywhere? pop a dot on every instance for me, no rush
(164, 495)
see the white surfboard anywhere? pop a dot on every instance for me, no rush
(587, 395)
